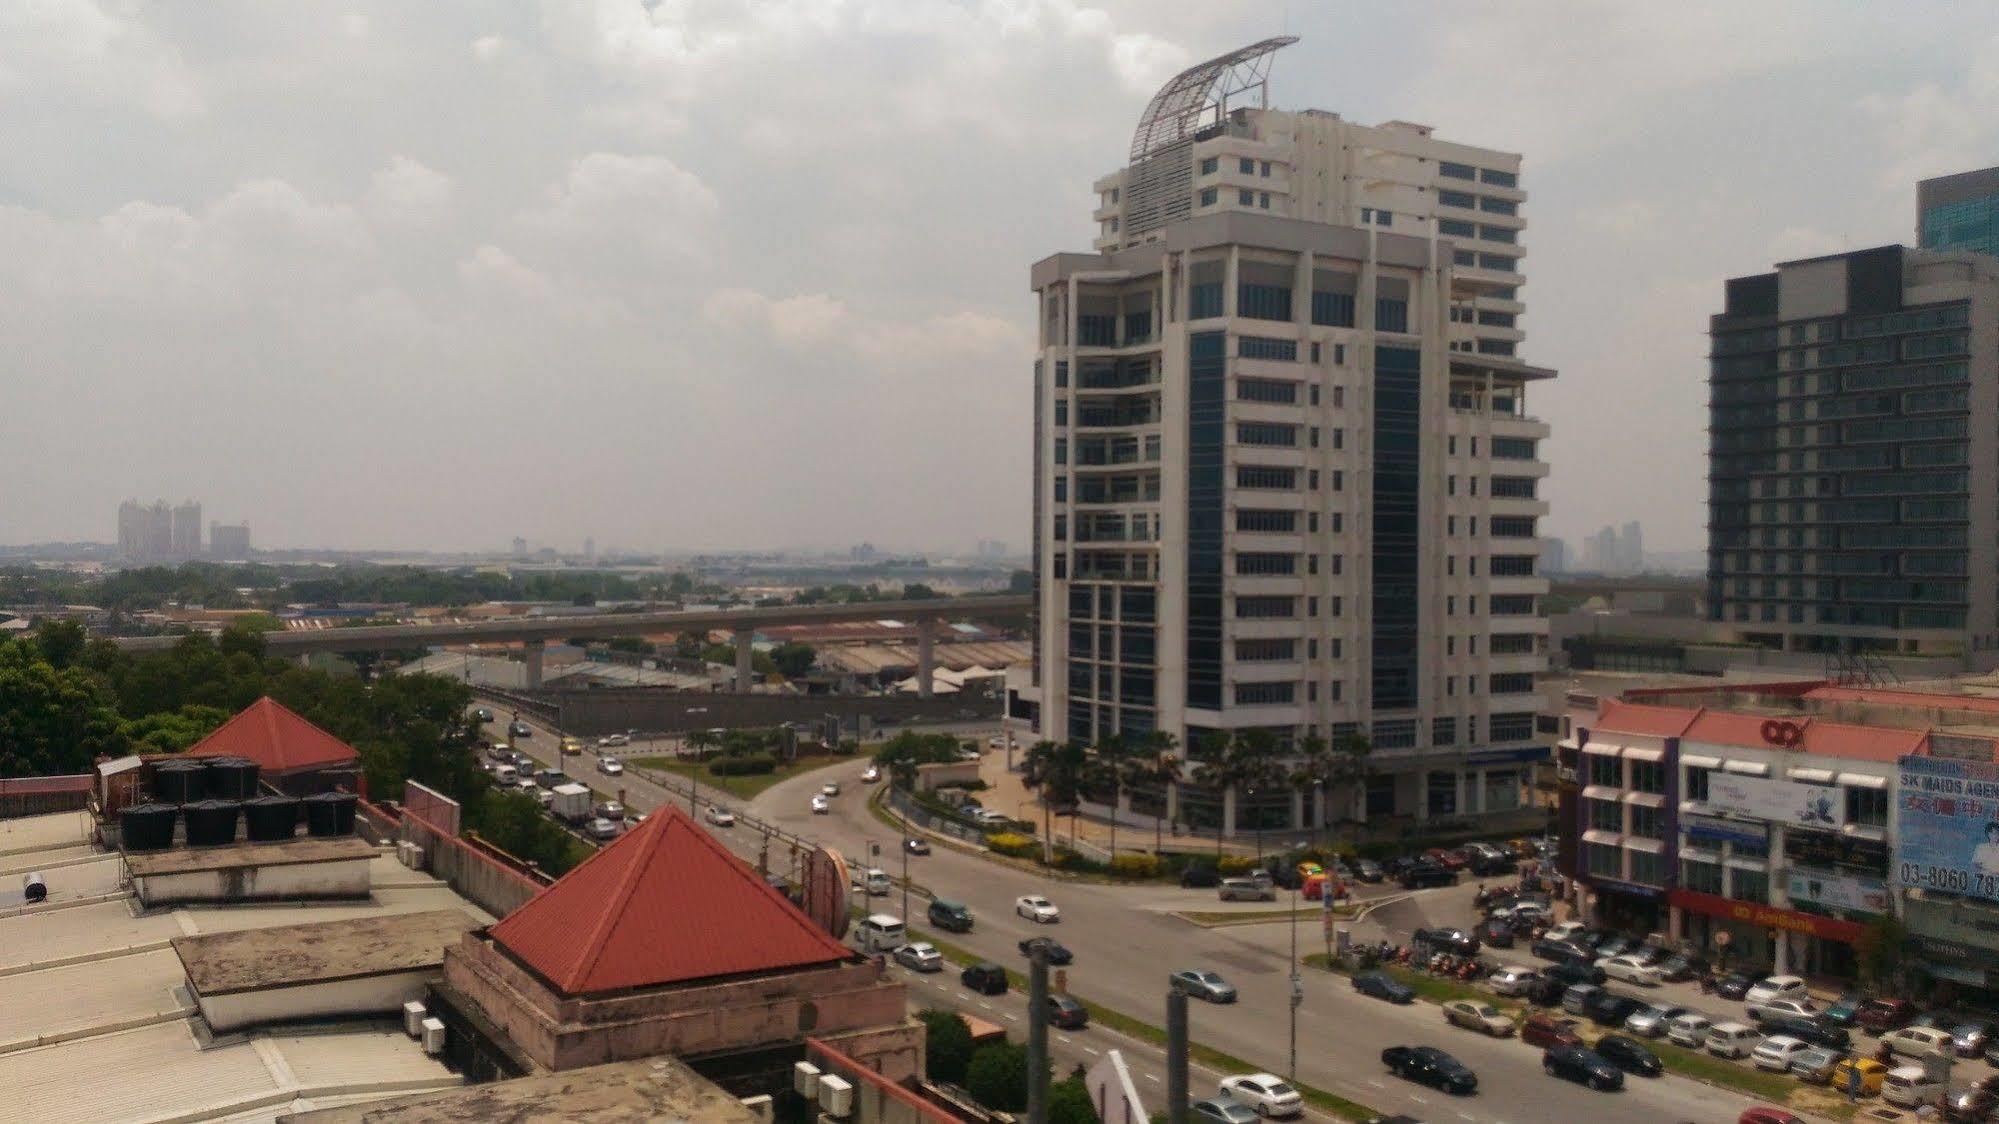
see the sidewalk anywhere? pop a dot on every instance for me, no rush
(1006, 793)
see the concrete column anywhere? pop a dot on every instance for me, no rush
(1297, 810)
(1228, 812)
(1475, 780)
(926, 655)
(1422, 786)
(532, 652)
(744, 652)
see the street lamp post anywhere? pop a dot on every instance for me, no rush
(1297, 987)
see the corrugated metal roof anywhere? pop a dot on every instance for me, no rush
(665, 904)
(276, 738)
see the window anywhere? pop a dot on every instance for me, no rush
(1648, 868)
(1267, 390)
(1456, 228)
(1605, 861)
(1246, 197)
(1648, 776)
(1513, 565)
(1061, 450)
(1263, 200)
(1512, 727)
(1697, 778)
(1512, 448)
(1061, 489)
(1498, 262)
(1264, 169)
(1266, 433)
(1266, 565)
(1456, 171)
(1260, 519)
(1391, 315)
(1702, 878)
(1264, 694)
(1208, 197)
(1264, 476)
(1511, 683)
(1511, 527)
(1647, 822)
(1210, 165)
(1497, 178)
(1513, 487)
(1260, 347)
(1749, 885)
(1607, 771)
(1606, 815)
(1493, 206)
(1062, 412)
(1245, 165)
(1496, 234)
(1256, 651)
(1868, 806)
(1457, 199)
(1265, 608)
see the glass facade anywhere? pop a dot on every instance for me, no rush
(1397, 503)
(1207, 398)
(1967, 224)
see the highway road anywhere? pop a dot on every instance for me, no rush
(1126, 940)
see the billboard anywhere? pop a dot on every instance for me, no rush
(1849, 892)
(1947, 834)
(1759, 798)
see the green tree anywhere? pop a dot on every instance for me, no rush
(900, 755)
(947, 1045)
(173, 731)
(1069, 1103)
(52, 722)
(1020, 581)
(61, 643)
(997, 1076)
(1055, 770)
(1879, 951)
(793, 659)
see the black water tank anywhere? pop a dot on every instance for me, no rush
(270, 818)
(180, 782)
(147, 827)
(330, 813)
(211, 822)
(232, 778)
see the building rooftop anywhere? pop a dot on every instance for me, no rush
(1618, 717)
(665, 904)
(652, 1089)
(319, 951)
(292, 852)
(276, 738)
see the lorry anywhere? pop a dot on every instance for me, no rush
(572, 803)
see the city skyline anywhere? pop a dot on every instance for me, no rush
(305, 290)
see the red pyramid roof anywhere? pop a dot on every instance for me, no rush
(276, 738)
(665, 904)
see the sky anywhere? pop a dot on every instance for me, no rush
(701, 275)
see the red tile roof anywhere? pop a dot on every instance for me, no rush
(276, 738)
(1617, 717)
(1723, 727)
(665, 904)
(1865, 743)
(1982, 703)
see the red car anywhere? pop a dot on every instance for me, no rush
(1453, 859)
(1764, 1114)
(1546, 1030)
(1879, 1016)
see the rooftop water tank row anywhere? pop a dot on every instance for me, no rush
(180, 782)
(330, 813)
(211, 823)
(147, 827)
(231, 778)
(270, 819)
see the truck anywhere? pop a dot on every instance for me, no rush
(571, 803)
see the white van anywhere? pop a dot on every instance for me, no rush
(872, 880)
(1689, 1030)
(506, 776)
(1920, 1042)
(881, 933)
(1910, 1086)
(1732, 1039)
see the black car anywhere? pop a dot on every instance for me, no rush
(1381, 986)
(1583, 1066)
(1628, 1055)
(1496, 932)
(1453, 941)
(985, 977)
(950, 916)
(1200, 878)
(1816, 1031)
(1425, 873)
(1576, 972)
(1606, 1009)
(1558, 951)
(1367, 870)
(1428, 1065)
(1735, 985)
(1067, 1013)
(1546, 991)
(1058, 954)
(1485, 865)
(1682, 967)
(1613, 945)
(1282, 875)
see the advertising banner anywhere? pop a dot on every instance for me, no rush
(1845, 852)
(1839, 891)
(1947, 837)
(1759, 798)
(1767, 917)
(1708, 829)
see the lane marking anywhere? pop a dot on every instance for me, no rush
(1012, 1018)
(985, 1006)
(1417, 1099)
(1091, 1050)
(1063, 1039)
(1376, 1084)
(1152, 1077)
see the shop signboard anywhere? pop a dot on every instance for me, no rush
(1760, 798)
(1709, 829)
(1844, 852)
(1947, 836)
(1767, 916)
(1851, 893)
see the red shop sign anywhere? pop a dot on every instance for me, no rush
(1767, 916)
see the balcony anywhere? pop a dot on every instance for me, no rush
(1122, 416)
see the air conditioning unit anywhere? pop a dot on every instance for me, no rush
(433, 1036)
(403, 851)
(761, 1107)
(836, 1095)
(805, 1080)
(413, 1016)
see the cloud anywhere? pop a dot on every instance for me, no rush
(617, 213)
(799, 321)
(59, 49)
(406, 190)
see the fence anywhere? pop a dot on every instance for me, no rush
(34, 796)
(473, 868)
(932, 820)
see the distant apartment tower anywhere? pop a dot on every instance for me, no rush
(187, 530)
(1852, 455)
(229, 541)
(1554, 556)
(520, 547)
(1631, 549)
(1285, 477)
(1959, 212)
(146, 531)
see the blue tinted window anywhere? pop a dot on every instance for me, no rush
(1498, 178)
(1207, 393)
(1391, 315)
(1397, 510)
(1457, 171)
(1332, 310)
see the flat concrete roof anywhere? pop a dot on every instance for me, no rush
(319, 952)
(305, 849)
(649, 1089)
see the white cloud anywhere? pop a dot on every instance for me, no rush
(406, 190)
(614, 212)
(58, 49)
(799, 321)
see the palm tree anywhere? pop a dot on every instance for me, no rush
(1055, 769)
(1152, 762)
(1216, 774)
(1112, 755)
(1314, 757)
(1347, 764)
(1253, 755)
(700, 741)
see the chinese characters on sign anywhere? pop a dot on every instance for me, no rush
(1948, 828)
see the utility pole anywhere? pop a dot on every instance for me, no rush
(903, 846)
(1176, 1056)
(1297, 985)
(1037, 1035)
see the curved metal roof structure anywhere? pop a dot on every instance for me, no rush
(1201, 93)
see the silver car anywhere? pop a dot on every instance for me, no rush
(1222, 1111)
(920, 958)
(601, 828)
(1652, 1021)
(1202, 984)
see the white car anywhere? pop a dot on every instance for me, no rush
(601, 828)
(720, 816)
(996, 742)
(609, 740)
(1760, 1013)
(830, 788)
(821, 805)
(1776, 987)
(920, 958)
(1566, 931)
(610, 766)
(1265, 1092)
(1038, 909)
(871, 774)
(1630, 969)
(1513, 980)
(1777, 1052)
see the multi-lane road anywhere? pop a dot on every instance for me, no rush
(1126, 939)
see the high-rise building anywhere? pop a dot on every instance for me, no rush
(520, 547)
(146, 531)
(1852, 456)
(1959, 212)
(1554, 556)
(1274, 490)
(1631, 549)
(229, 541)
(187, 530)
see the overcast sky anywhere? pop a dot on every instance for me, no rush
(711, 275)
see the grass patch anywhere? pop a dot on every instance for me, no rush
(742, 788)
(1773, 1087)
(1425, 985)
(1256, 916)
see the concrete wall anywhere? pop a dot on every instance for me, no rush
(614, 710)
(943, 774)
(497, 889)
(379, 994)
(343, 878)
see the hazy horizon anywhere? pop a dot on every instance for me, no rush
(699, 274)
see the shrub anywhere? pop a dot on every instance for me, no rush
(1135, 866)
(1069, 1103)
(947, 1045)
(1233, 865)
(745, 765)
(1012, 845)
(997, 1076)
